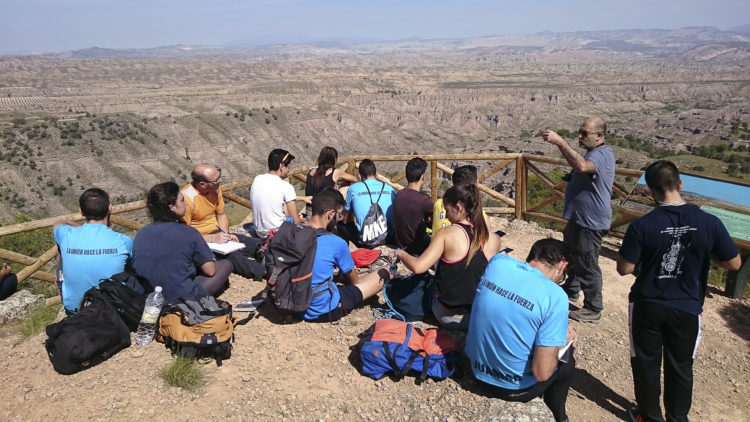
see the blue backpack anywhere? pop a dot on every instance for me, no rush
(399, 347)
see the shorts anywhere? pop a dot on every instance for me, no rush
(351, 296)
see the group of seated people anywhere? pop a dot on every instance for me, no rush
(452, 236)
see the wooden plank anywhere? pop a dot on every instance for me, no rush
(495, 194)
(398, 177)
(540, 174)
(499, 210)
(564, 163)
(388, 182)
(520, 187)
(621, 221)
(543, 216)
(445, 169)
(619, 191)
(438, 157)
(44, 276)
(45, 258)
(16, 257)
(351, 166)
(497, 167)
(300, 177)
(544, 203)
(122, 221)
(238, 200)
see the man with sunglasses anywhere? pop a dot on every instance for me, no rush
(588, 211)
(205, 213)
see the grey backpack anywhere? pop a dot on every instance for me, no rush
(374, 226)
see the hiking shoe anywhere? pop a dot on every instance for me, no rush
(586, 315)
(635, 416)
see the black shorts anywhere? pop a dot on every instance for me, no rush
(351, 296)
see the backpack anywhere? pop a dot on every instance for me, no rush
(408, 298)
(198, 327)
(374, 226)
(87, 338)
(127, 293)
(399, 347)
(289, 262)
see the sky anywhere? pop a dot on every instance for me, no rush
(58, 25)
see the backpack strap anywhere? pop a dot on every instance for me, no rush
(370, 193)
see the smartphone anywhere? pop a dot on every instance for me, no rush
(249, 305)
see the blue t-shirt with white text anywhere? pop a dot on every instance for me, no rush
(358, 200)
(332, 252)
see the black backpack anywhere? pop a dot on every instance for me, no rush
(374, 226)
(289, 262)
(87, 338)
(127, 293)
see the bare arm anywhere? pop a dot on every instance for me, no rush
(544, 363)
(291, 211)
(428, 258)
(306, 199)
(208, 269)
(624, 266)
(572, 156)
(352, 276)
(733, 264)
(340, 175)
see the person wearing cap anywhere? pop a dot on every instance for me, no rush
(272, 197)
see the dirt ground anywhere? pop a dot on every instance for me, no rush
(303, 371)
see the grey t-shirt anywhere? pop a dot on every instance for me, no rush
(587, 197)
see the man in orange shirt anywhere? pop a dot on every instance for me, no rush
(205, 213)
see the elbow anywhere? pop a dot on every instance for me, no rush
(542, 374)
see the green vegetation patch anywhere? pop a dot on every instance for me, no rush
(183, 373)
(37, 320)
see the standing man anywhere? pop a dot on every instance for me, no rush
(204, 211)
(412, 210)
(519, 323)
(669, 250)
(272, 197)
(91, 252)
(588, 211)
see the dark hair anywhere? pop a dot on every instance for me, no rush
(550, 251)
(326, 160)
(464, 175)
(277, 157)
(367, 168)
(94, 204)
(468, 196)
(159, 198)
(662, 176)
(415, 168)
(327, 199)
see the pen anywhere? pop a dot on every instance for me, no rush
(222, 231)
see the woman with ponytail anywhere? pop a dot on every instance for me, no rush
(326, 175)
(463, 250)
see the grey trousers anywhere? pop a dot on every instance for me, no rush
(585, 245)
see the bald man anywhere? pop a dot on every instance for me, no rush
(588, 211)
(205, 213)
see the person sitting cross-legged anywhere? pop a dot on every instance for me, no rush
(333, 252)
(412, 210)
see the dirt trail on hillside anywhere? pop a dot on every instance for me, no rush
(309, 372)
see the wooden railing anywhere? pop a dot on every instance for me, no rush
(516, 206)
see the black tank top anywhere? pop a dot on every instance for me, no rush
(311, 188)
(455, 282)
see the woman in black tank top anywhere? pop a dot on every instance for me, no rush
(462, 251)
(326, 175)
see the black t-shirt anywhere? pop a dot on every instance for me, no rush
(311, 188)
(673, 246)
(410, 208)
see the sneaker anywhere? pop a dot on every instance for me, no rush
(634, 415)
(586, 315)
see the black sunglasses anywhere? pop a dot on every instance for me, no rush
(586, 133)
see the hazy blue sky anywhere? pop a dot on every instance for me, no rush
(53, 25)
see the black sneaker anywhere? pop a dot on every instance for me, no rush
(586, 315)
(634, 415)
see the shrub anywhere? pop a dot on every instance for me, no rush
(184, 373)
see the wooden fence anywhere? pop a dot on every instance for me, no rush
(516, 206)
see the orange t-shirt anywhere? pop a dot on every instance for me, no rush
(201, 209)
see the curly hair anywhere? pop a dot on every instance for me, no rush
(159, 198)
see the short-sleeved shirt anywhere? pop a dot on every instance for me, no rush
(587, 196)
(168, 255)
(269, 195)
(332, 252)
(673, 246)
(410, 209)
(90, 252)
(358, 200)
(201, 210)
(516, 308)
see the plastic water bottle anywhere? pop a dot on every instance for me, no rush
(151, 311)
(394, 264)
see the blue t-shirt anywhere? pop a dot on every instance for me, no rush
(587, 196)
(674, 246)
(358, 200)
(90, 252)
(168, 255)
(332, 252)
(516, 308)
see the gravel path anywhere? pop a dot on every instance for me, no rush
(309, 372)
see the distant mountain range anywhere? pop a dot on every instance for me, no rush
(699, 42)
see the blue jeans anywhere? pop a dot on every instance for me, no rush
(586, 276)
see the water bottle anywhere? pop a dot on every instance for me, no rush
(151, 311)
(394, 264)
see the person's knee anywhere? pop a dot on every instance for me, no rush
(372, 283)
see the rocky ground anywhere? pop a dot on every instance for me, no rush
(310, 372)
